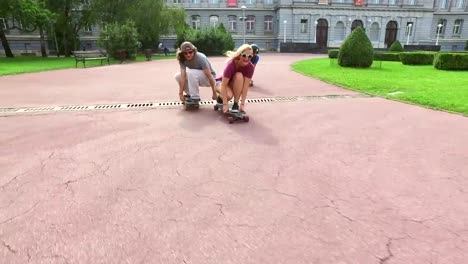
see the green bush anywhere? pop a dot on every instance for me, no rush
(210, 41)
(120, 37)
(451, 61)
(387, 56)
(356, 50)
(396, 47)
(333, 53)
(417, 58)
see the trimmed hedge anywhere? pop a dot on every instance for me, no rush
(451, 61)
(417, 58)
(387, 56)
(333, 53)
(356, 51)
(396, 47)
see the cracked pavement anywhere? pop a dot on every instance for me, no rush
(349, 180)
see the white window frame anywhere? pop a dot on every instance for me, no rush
(268, 24)
(214, 21)
(232, 22)
(443, 4)
(250, 23)
(196, 22)
(460, 3)
(3, 23)
(409, 30)
(304, 25)
(457, 27)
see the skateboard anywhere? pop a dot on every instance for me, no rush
(232, 117)
(189, 104)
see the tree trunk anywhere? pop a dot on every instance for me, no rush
(43, 48)
(5, 44)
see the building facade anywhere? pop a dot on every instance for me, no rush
(325, 23)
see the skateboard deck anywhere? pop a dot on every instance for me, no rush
(231, 116)
(190, 105)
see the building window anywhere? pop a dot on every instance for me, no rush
(250, 2)
(409, 29)
(460, 3)
(374, 32)
(339, 31)
(392, 2)
(195, 1)
(232, 23)
(250, 23)
(214, 2)
(88, 29)
(441, 31)
(196, 22)
(3, 23)
(268, 2)
(268, 23)
(214, 21)
(443, 4)
(176, 1)
(457, 27)
(304, 25)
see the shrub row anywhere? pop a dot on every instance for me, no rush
(451, 61)
(417, 58)
(387, 56)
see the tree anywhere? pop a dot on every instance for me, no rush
(396, 47)
(71, 17)
(34, 13)
(116, 37)
(211, 41)
(152, 18)
(356, 51)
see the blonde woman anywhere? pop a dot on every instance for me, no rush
(236, 78)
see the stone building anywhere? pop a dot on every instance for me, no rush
(322, 23)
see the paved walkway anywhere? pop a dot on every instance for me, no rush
(344, 180)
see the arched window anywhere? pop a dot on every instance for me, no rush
(355, 24)
(339, 31)
(374, 31)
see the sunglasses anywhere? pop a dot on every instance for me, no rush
(245, 56)
(188, 52)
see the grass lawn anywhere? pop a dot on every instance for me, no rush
(35, 64)
(422, 85)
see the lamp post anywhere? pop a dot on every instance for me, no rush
(315, 38)
(438, 33)
(243, 19)
(284, 25)
(409, 32)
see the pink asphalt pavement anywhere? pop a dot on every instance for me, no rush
(341, 180)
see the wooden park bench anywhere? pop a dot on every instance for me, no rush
(90, 55)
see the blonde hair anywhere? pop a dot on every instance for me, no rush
(236, 54)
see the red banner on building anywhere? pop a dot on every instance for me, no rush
(359, 2)
(232, 3)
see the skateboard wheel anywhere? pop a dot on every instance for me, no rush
(230, 119)
(246, 119)
(215, 108)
